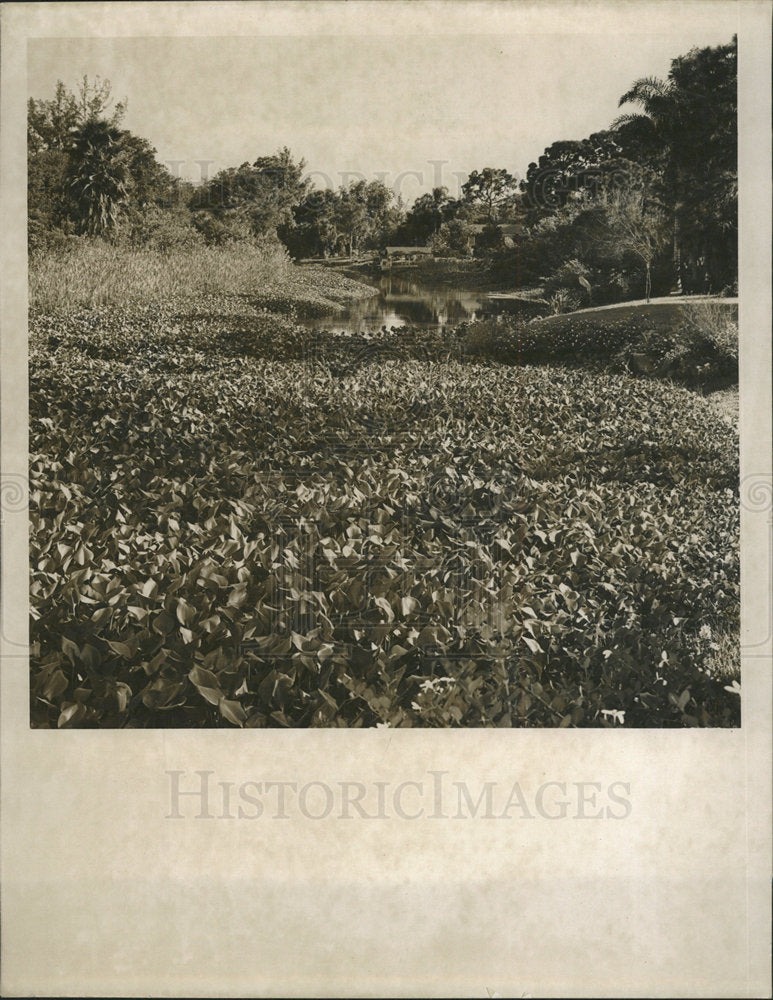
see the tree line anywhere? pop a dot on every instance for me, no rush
(649, 204)
(90, 177)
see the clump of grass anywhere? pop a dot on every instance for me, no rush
(722, 654)
(712, 324)
(725, 403)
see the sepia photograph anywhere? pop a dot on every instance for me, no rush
(386, 512)
(361, 397)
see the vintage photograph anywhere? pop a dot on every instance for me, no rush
(383, 382)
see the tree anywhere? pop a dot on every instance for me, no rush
(55, 137)
(382, 213)
(260, 195)
(50, 124)
(94, 100)
(492, 189)
(97, 177)
(315, 228)
(572, 168)
(366, 214)
(427, 215)
(657, 125)
(352, 214)
(688, 123)
(53, 124)
(282, 186)
(453, 239)
(705, 150)
(48, 198)
(150, 183)
(638, 226)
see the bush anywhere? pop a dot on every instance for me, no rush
(160, 231)
(711, 327)
(700, 351)
(569, 285)
(453, 239)
(563, 301)
(218, 233)
(490, 240)
(43, 240)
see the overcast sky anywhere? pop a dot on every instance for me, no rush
(377, 105)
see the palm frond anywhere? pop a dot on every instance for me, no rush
(630, 119)
(645, 90)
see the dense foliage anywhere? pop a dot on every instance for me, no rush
(87, 175)
(365, 535)
(681, 134)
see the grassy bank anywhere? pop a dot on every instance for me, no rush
(694, 343)
(476, 275)
(96, 274)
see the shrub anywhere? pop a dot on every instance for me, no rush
(220, 233)
(563, 300)
(161, 231)
(701, 350)
(570, 283)
(711, 326)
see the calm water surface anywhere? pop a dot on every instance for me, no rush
(401, 302)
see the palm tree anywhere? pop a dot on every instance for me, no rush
(658, 125)
(98, 176)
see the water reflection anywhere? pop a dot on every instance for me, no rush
(403, 303)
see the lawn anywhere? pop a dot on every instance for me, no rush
(659, 314)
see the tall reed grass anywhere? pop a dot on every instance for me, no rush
(99, 274)
(92, 273)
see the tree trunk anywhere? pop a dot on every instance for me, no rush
(677, 289)
(647, 283)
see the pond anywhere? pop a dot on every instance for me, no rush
(401, 302)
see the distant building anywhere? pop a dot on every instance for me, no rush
(407, 253)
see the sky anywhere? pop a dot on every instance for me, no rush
(413, 109)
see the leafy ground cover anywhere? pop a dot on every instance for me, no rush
(236, 522)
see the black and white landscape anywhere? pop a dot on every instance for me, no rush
(380, 390)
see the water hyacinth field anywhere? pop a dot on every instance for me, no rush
(237, 521)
